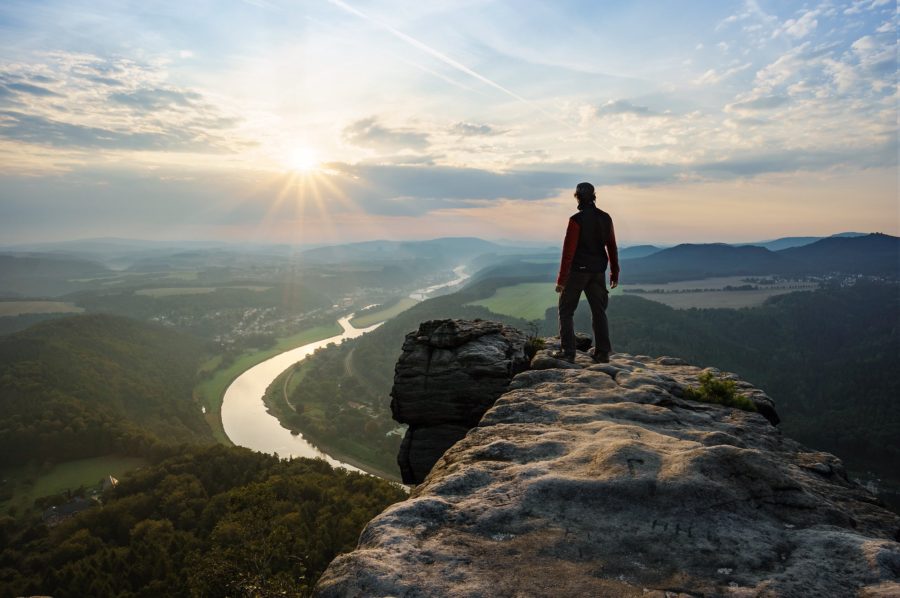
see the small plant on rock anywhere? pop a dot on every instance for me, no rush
(719, 391)
(533, 342)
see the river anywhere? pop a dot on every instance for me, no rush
(244, 416)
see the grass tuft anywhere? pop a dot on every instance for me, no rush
(719, 391)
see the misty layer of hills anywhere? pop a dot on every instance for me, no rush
(53, 270)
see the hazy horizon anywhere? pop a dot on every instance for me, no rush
(332, 122)
(525, 243)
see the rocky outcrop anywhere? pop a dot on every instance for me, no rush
(449, 374)
(602, 480)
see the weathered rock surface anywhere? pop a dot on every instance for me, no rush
(449, 374)
(601, 480)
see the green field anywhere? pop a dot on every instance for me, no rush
(18, 308)
(708, 293)
(29, 483)
(381, 315)
(530, 300)
(172, 291)
(716, 299)
(527, 300)
(211, 391)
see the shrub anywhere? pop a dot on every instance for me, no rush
(719, 391)
(533, 342)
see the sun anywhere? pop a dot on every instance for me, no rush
(302, 159)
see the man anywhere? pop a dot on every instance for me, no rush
(590, 244)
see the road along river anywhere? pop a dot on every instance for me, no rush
(244, 416)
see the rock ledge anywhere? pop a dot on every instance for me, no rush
(601, 480)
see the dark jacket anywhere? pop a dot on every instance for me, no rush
(590, 244)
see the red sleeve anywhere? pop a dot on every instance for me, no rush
(613, 252)
(568, 252)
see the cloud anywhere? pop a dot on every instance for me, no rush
(712, 76)
(368, 133)
(800, 27)
(859, 6)
(118, 105)
(760, 103)
(35, 90)
(30, 128)
(104, 80)
(617, 107)
(156, 99)
(466, 129)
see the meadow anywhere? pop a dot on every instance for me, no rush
(18, 308)
(369, 318)
(527, 300)
(30, 482)
(715, 299)
(710, 292)
(174, 291)
(530, 300)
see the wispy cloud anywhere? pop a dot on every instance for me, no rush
(473, 130)
(88, 102)
(34, 90)
(368, 132)
(760, 103)
(623, 107)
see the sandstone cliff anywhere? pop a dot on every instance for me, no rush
(449, 374)
(603, 480)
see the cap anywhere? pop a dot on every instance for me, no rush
(584, 190)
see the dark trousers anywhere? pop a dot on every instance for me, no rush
(594, 287)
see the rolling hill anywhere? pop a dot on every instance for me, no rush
(89, 385)
(40, 275)
(636, 251)
(450, 249)
(695, 261)
(870, 254)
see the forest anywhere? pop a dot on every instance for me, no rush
(206, 521)
(90, 385)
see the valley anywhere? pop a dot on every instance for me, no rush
(300, 364)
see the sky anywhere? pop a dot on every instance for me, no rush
(326, 121)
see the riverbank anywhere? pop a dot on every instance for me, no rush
(210, 392)
(343, 446)
(247, 422)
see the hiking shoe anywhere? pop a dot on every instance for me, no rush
(600, 356)
(562, 356)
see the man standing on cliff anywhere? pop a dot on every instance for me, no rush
(589, 246)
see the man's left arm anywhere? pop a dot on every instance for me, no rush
(613, 252)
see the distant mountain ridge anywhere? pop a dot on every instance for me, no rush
(870, 254)
(787, 242)
(636, 251)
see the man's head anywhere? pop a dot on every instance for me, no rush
(584, 193)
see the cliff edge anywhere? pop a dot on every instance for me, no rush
(604, 480)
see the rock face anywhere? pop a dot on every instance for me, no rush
(449, 374)
(601, 480)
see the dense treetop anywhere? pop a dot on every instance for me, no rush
(89, 385)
